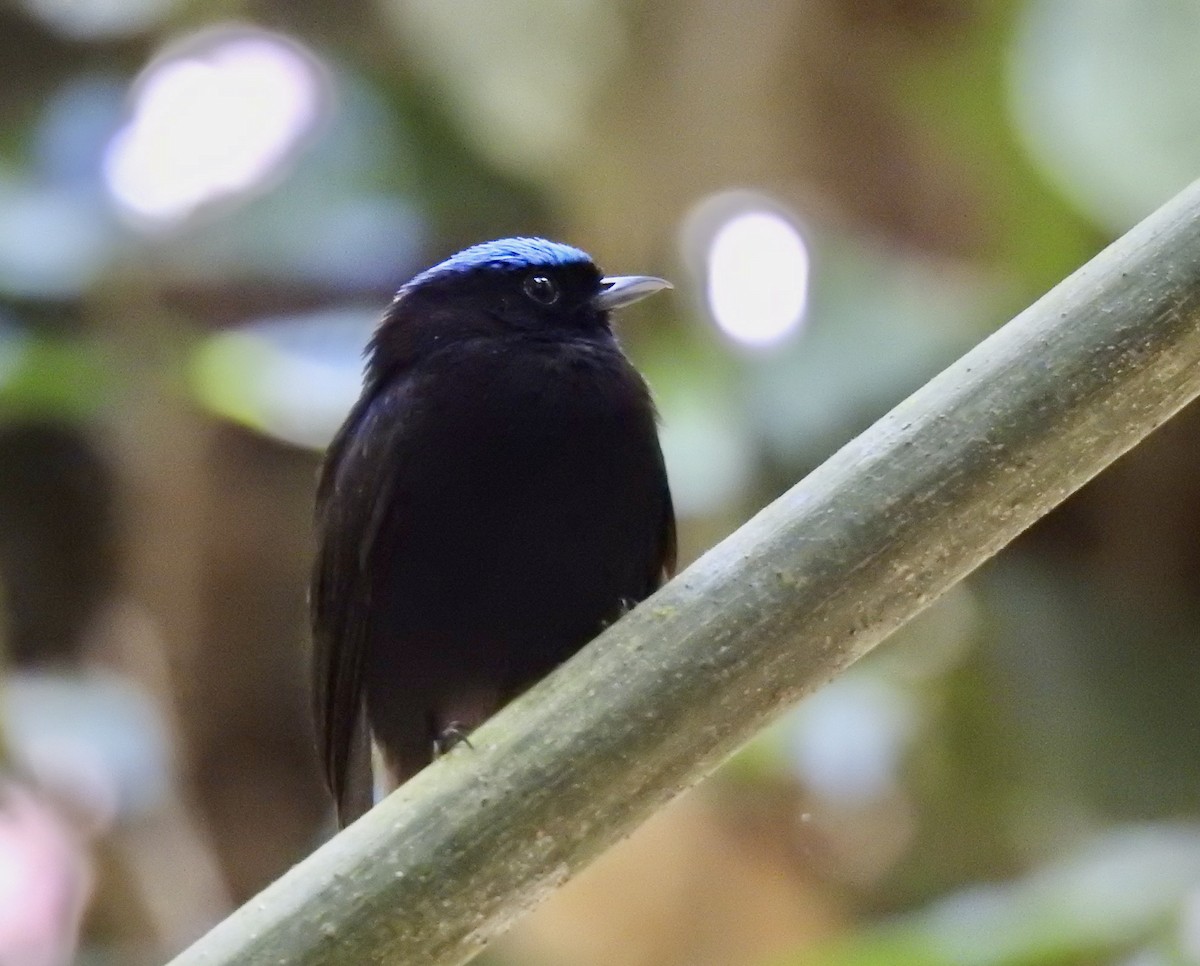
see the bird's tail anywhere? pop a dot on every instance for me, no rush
(357, 793)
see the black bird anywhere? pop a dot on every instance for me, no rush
(496, 496)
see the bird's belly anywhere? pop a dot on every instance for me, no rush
(530, 518)
(524, 545)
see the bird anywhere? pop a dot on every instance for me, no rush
(495, 498)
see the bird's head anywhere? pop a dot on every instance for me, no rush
(527, 286)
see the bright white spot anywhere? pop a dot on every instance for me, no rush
(211, 121)
(758, 277)
(850, 738)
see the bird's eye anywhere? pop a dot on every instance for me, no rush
(541, 289)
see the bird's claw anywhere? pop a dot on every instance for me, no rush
(455, 733)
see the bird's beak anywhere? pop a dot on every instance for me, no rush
(622, 290)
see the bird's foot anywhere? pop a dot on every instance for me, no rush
(455, 733)
(624, 606)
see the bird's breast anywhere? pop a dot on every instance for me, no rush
(541, 465)
(505, 396)
(525, 510)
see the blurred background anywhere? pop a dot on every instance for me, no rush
(205, 205)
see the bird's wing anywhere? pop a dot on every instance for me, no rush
(668, 546)
(354, 497)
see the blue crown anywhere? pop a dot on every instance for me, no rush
(506, 254)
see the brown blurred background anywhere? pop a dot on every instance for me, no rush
(204, 206)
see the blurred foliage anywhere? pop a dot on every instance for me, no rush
(52, 376)
(1027, 231)
(1120, 893)
(1011, 780)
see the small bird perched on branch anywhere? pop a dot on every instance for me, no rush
(495, 498)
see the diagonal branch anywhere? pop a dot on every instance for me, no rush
(809, 585)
